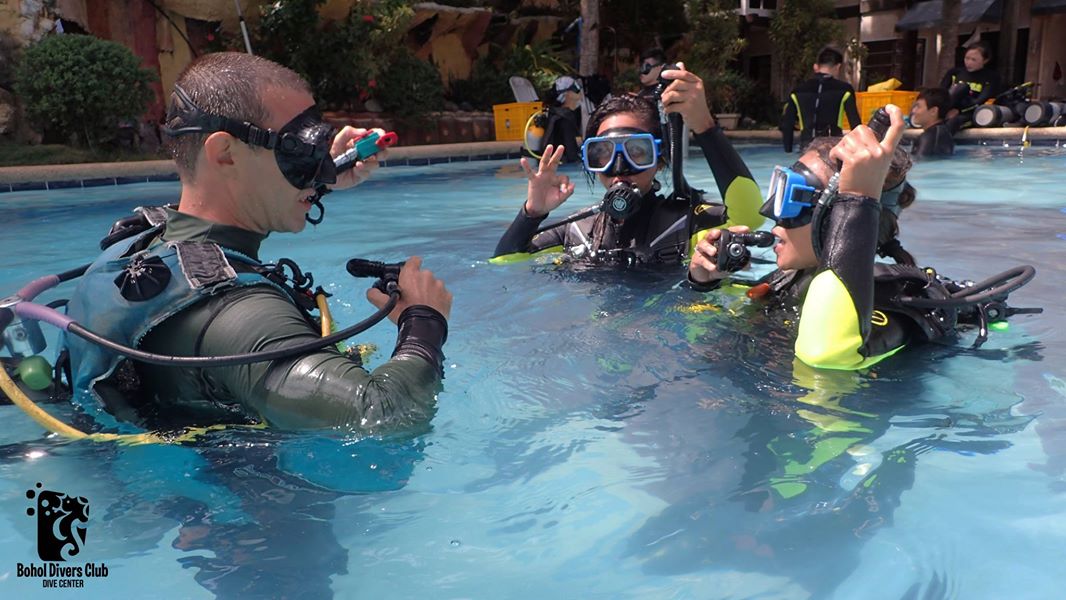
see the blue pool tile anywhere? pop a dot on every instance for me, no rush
(166, 177)
(98, 182)
(5, 187)
(439, 159)
(499, 156)
(418, 162)
(28, 186)
(124, 180)
(60, 185)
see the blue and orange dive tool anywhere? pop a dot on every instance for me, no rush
(363, 149)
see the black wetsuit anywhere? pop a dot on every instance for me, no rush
(659, 232)
(820, 104)
(322, 388)
(563, 129)
(937, 140)
(983, 84)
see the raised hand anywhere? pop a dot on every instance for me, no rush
(547, 189)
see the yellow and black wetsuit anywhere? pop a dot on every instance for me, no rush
(820, 105)
(983, 84)
(848, 318)
(659, 231)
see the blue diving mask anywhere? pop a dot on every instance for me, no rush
(793, 193)
(890, 197)
(301, 147)
(621, 151)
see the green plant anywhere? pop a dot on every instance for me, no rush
(715, 34)
(486, 86)
(626, 81)
(340, 59)
(9, 57)
(410, 88)
(82, 85)
(799, 30)
(540, 62)
(728, 91)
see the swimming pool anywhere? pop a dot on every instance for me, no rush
(599, 435)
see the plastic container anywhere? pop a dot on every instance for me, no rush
(868, 102)
(511, 119)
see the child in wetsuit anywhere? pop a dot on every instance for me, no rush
(977, 82)
(928, 113)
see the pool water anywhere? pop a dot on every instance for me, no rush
(600, 434)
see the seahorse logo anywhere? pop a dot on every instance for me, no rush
(61, 523)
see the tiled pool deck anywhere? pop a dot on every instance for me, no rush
(14, 179)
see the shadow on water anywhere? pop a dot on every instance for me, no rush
(251, 512)
(770, 466)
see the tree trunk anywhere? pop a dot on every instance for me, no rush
(949, 36)
(590, 37)
(1008, 41)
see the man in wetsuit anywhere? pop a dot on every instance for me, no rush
(652, 62)
(637, 225)
(820, 103)
(250, 148)
(928, 113)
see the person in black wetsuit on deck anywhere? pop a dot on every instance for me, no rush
(820, 103)
(637, 225)
(974, 83)
(928, 113)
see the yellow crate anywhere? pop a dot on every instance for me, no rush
(869, 102)
(511, 119)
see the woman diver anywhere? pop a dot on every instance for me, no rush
(634, 224)
(835, 209)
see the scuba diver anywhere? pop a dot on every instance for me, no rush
(835, 209)
(216, 335)
(974, 83)
(560, 122)
(930, 113)
(820, 103)
(634, 224)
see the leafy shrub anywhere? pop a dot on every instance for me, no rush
(486, 86)
(338, 59)
(78, 84)
(410, 87)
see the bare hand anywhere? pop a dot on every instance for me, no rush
(547, 189)
(866, 161)
(687, 96)
(345, 140)
(703, 267)
(417, 287)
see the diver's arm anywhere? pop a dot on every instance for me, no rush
(519, 239)
(851, 110)
(989, 87)
(788, 123)
(324, 388)
(835, 320)
(925, 145)
(948, 79)
(740, 193)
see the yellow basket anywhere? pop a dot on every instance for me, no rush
(868, 102)
(511, 119)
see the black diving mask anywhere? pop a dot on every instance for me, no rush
(301, 147)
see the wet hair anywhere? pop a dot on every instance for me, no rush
(643, 109)
(830, 57)
(983, 48)
(229, 84)
(888, 244)
(937, 98)
(655, 53)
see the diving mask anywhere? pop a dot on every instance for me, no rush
(620, 151)
(793, 192)
(301, 147)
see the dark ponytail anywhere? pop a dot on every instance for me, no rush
(888, 245)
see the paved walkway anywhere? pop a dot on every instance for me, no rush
(89, 174)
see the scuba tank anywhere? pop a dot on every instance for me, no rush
(993, 115)
(1043, 112)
